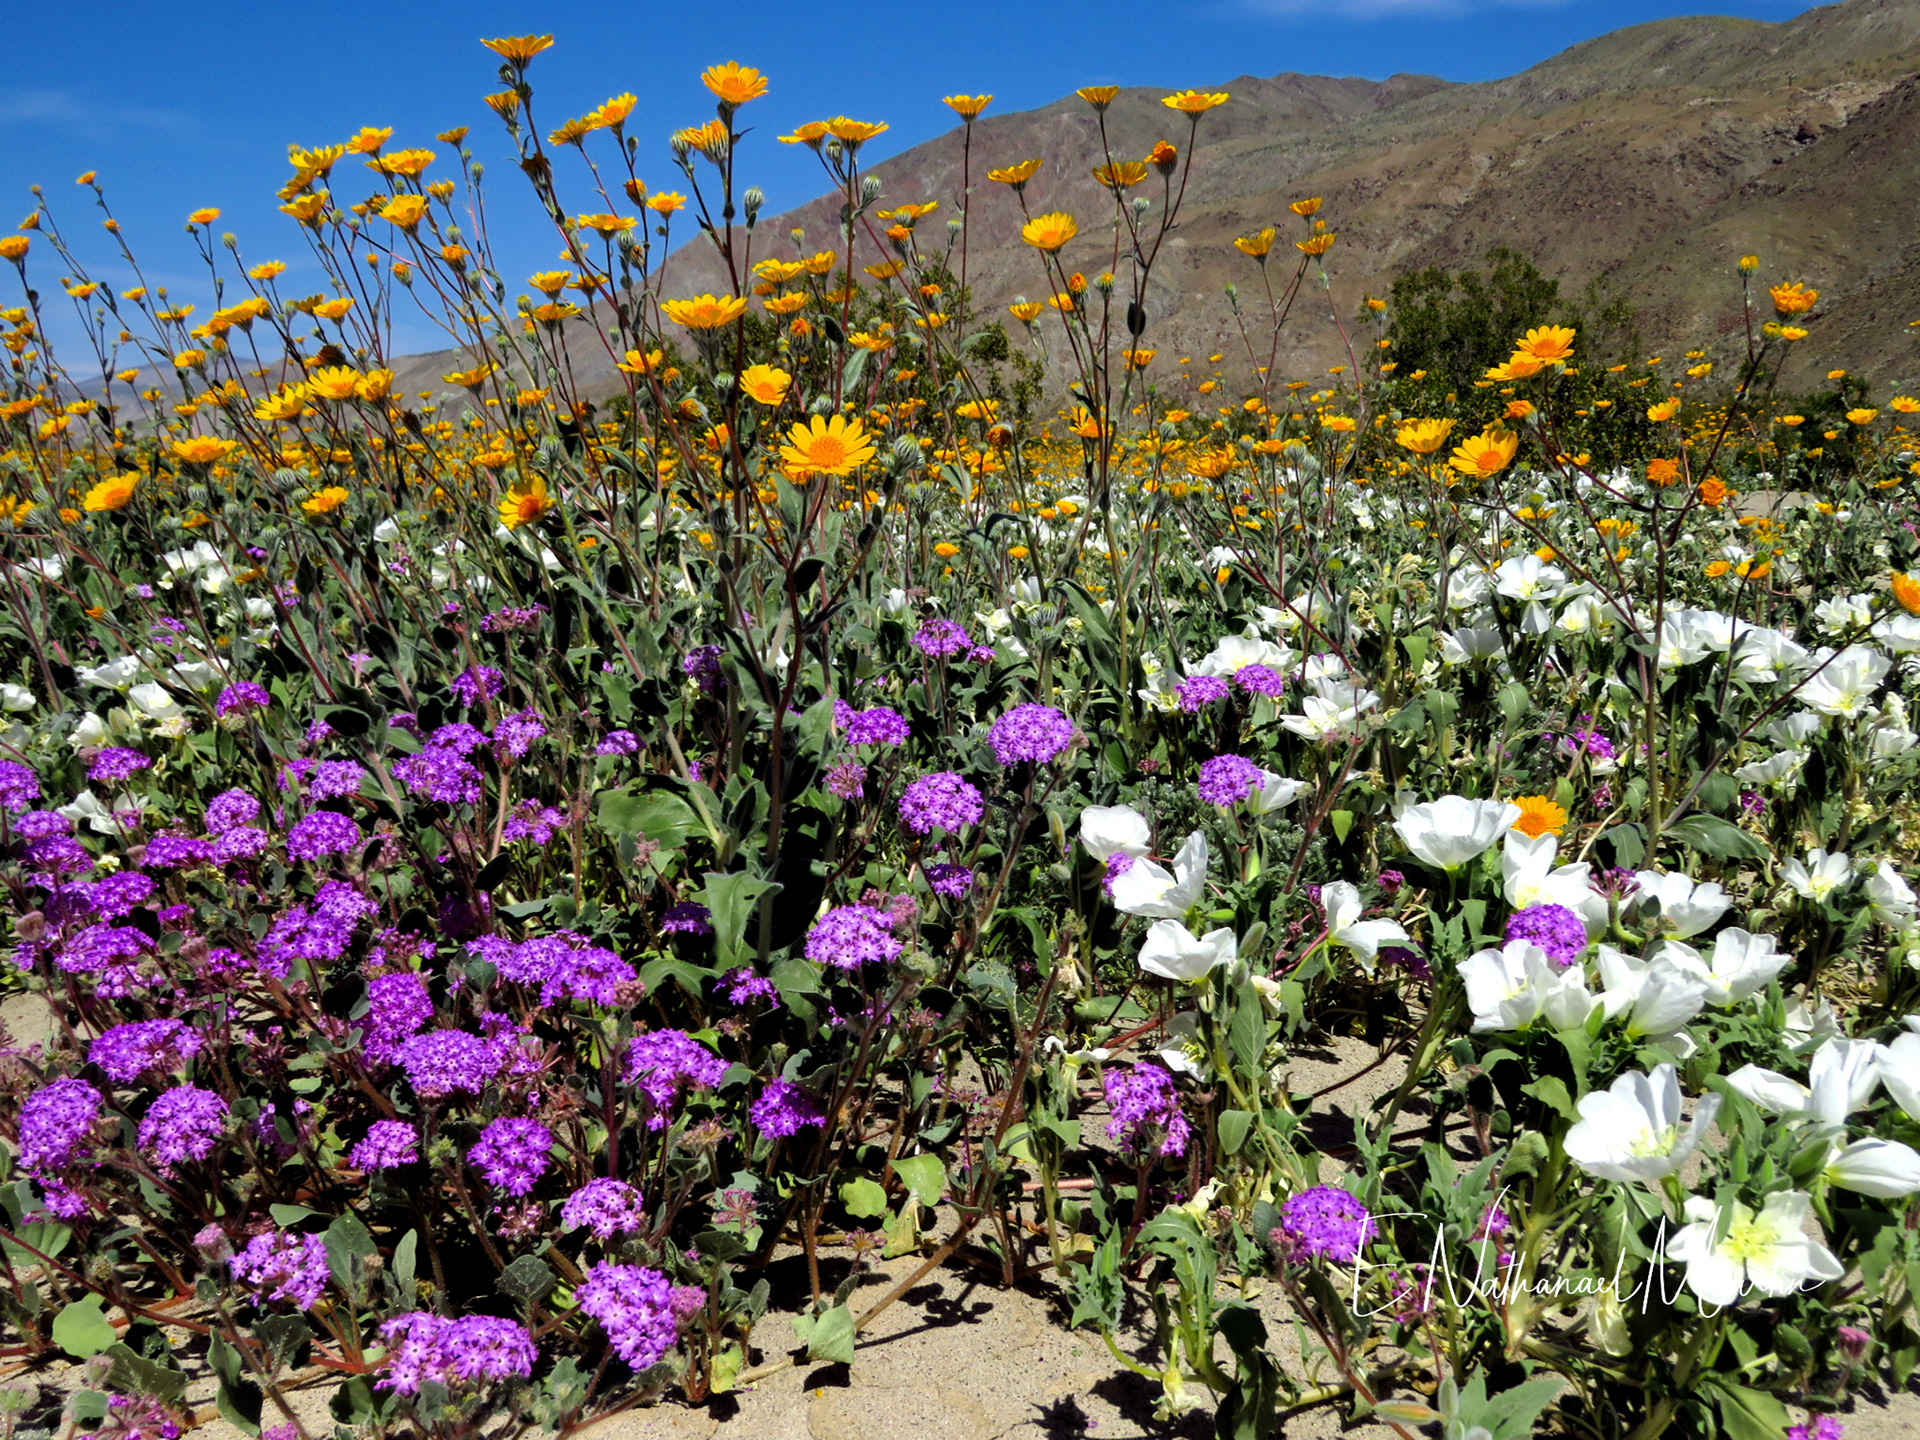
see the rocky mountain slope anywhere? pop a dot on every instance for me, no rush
(1653, 156)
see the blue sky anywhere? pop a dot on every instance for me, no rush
(181, 106)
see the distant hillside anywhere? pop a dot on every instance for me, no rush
(1653, 156)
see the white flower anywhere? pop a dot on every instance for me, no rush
(1510, 988)
(1872, 1166)
(1324, 720)
(1742, 964)
(1235, 652)
(114, 675)
(1846, 682)
(1774, 770)
(1172, 952)
(1810, 1026)
(1900, 1071)
(1727, 1253)
(1889, 896)
(1452, 830)
(199, 556)
(1685, 908)
(1467, 644)
(98, 815)
(1182, 1052)
(1655, 997)
(89, 734)
(1345, 927)
(15, 698)
(1843, 613)
(197, 676)
(154, 703)
(1528, 577)
(1144, 888)
(1530, 878)
(1110, 830)
(1276, 792)
(1822, 876)
(388, 531)
(1841, 1079)
(1901, 634)
(1632, 1130)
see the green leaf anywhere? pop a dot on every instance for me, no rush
(658, 815)
(402, 1268)
(1747, 1414)
(82, 1328)
(1711, 835)
(528, 1280)
(831, 1342)
(924, 1175)
(863, 1198)
(1512, 1412)
(1234, 1125)
(733, 898)
(284, 1215)
(1551, 1091)
(349, 1247)
(1342, 822)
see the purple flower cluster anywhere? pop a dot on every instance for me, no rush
(1146, 1116)
(634, 1305)
(316, 933)
(441, 772)
(388, 1145)
(512, 617)
(243, 697)
(1261, 680)
(702, 666)
(1824, 1427)
(398, 1008)
(18, 786)
(563, 966)
(848, 780)
(938, 638)
(116, 763)
(1196, 692)
(515, 734)
(323, 833)
(951, 882)
(324, 779)
(849, 936)
(126, 1052)
(1324, 1221)
(182, 1124)
(606, 1208)
(512, 1154)
(230, 809)
(56, 1126)
(283, 1266)
(618, 742)
(1030, 734)
(660, 1061)
(877, 726)
(743, 986)
(448, 1062)
(424, 1348)
(783, 1109)
(940, 801)
(1588, 742)
(1226, 780)
(687, 917)
(477, 684)
(533, 821)
(1554, 928)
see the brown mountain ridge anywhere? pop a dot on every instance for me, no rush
(1653, 156)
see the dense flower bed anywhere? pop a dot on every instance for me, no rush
(501, 870)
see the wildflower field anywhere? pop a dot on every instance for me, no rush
(526, 898)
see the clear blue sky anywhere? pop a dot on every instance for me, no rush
(184, 105)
